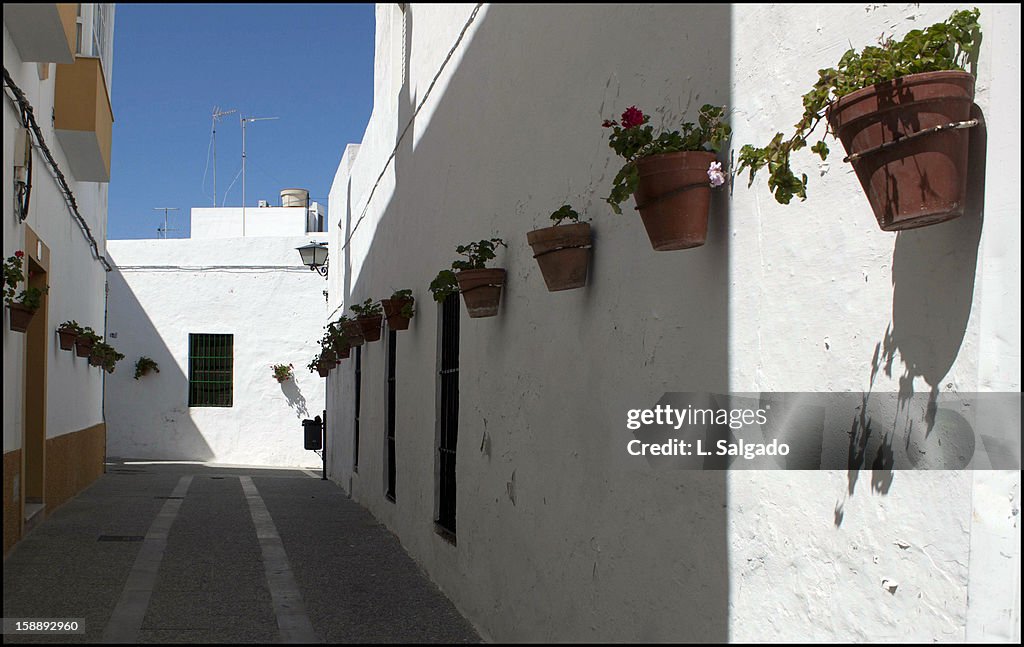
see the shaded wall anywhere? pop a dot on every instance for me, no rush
(558, 536)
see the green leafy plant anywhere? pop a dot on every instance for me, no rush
(312, 366)
(13, 275)
(106, 355)
(408, 309)
(443, 285)
(282, 372)
(565, 212)
(477, 254)
(30, 297)
(634, 138)
(89, 335)
(368, 308)
(144, 366)
(335, 338)
(72, 326)
(948, 45)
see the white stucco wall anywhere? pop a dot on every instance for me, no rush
(252, 288)
(558, 537)
(226, 222)
(76, 279)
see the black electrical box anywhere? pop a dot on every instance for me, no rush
(312, 430)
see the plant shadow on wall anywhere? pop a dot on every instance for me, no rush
(147, 418)
(296, 400)
(618, 547)
(933, 272)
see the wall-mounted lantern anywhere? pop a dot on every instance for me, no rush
(314, 255)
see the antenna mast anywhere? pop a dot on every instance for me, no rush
(217, 114)
(244, 120)
(163, 230)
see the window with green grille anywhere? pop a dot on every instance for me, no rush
(210, 370)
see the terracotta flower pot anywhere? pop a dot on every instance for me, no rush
(329, 357)
(354, 332)
(67, 338)
(324, 369)
(920, 181)
(481, 290)
(20, 317)
(673, 198)
(393, 312)
(83, 346)
(95, 361)
(344, 353)
(370, 326)
(563, 253)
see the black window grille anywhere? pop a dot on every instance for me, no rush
(392, 344)
(210, 370)
(359, 388)
(449, 412)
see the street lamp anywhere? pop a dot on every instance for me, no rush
(315, 256)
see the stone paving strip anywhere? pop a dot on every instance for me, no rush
(126, 620)
(244, 555)
(291, 615)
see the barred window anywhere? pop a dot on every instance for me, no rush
(210, 370)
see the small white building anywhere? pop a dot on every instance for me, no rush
(216, 311)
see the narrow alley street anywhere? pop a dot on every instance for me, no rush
(164, 552)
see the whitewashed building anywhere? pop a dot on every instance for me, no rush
(57, 143)
(486, 118)
(215, 312)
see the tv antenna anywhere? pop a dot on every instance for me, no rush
(163, 230)
(244, 120)
(217, 114)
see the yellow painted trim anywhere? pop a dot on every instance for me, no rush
(82, 102)
(37, 249)
(68, 12)
(37, 341)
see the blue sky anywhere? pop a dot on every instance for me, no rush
(310, 65)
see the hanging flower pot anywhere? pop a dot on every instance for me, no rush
(343, 353)
(562, 251)
(282, 372)
(674, 197)
(369, 316)
(67, 336)
(908, 145)
(95, 360)
(83, 346)
(481, 290)
(370, 326)
(323, 367)
(399, 309)
(20, 316)
(670, 174)
(906, 135)
(353, 331)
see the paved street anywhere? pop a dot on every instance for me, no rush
(193, 553)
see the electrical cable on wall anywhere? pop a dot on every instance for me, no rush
(28, 116)
(23, 185)
(394, 152)
(408, 125)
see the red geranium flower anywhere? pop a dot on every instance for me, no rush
(608, 123)
(632, 117)
(19, 253)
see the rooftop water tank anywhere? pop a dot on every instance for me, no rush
(294, 198)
